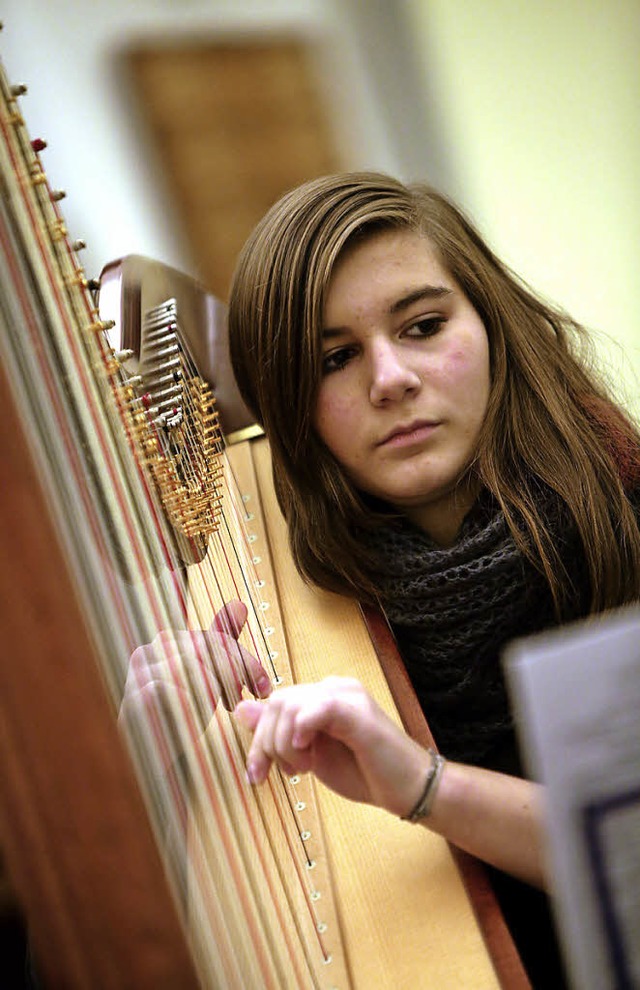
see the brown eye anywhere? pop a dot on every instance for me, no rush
(425, 328)
(336, 360)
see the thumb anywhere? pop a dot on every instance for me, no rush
(248, 713)
(231, 618)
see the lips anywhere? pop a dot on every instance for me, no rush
(416, 430)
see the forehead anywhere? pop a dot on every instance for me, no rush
(389, 260)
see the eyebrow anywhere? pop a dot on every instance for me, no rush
(416, 295)
(424, 292)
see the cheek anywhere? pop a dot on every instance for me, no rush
(466, 374)
(340, 424)
(333, 410)
(332, 406)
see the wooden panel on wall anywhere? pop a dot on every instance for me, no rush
(236, 124)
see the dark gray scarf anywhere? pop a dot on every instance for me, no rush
(453, 609)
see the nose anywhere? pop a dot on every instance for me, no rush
(392, 377)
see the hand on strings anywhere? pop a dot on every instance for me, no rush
(188, 672)
(337, 731)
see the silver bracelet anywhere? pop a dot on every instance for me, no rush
(423, 808)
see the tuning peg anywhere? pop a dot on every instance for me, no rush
(57, 195)
(19, 89)
(122, 356)
(78, 245)
(38, 144)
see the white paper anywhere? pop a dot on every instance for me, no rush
(576, 695)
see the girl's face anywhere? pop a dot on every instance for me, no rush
(405, 379)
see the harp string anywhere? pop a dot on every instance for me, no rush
(183, 722)
(209, 779)
(241, 914)
(230, 552)
(223, 555)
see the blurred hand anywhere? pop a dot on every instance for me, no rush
(191, 671)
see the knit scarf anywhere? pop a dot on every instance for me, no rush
(452, 611)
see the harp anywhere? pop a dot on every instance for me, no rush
(142, 858)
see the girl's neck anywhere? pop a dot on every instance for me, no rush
(442, 519)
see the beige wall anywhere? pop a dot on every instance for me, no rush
(526, 112)
(539, 107)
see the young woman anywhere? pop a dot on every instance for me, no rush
(443, 449)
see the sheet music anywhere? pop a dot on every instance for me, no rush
(577, 698)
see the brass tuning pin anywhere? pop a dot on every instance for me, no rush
(19, 89)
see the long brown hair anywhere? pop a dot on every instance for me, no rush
(549, 418)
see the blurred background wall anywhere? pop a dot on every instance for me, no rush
(173, 124)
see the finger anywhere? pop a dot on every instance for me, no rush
(257, 679)
(223, 662)
(237, 668)
(248, 713)
(262, 751)
(163, 706)
(152, 700)
(284, 750)
(234, 667)
(322, 713)
(231, 618)
(341, 708)
(151, 655)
